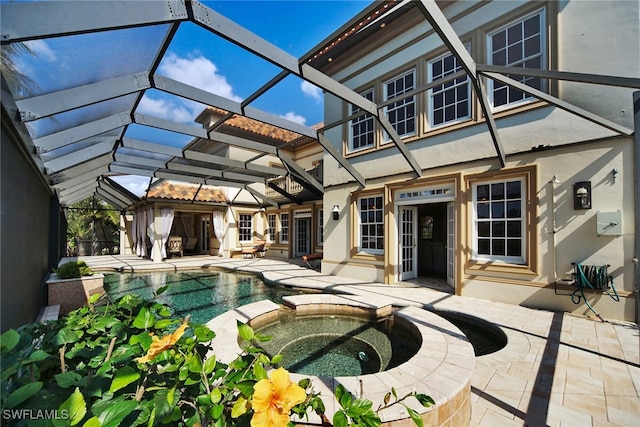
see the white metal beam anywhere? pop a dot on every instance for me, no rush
(594, 118)
(78, 157)
(151, 147)
(261, 196)
(183, 90)
(301, 172)
(82, 168)
(389, 129)
(28, 21)
(147, 120)
(49, 104)
(232, 163)
(63, 183)
(241, 142)
(326, 144)
(80, 132)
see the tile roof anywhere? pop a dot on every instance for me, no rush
(254, 126)
(173, 190)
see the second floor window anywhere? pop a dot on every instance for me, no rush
(450, 101)
(284, 228)
(401, 113)
(361, 134)
(245, 231)
(519, 44)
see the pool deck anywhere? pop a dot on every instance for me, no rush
(557, 369)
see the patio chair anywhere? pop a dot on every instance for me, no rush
(313, 261)
(257, 250)
(174, 245)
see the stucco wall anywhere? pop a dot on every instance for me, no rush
(24, 247)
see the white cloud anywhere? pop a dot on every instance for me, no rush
(136, 184)
(41, 49)
(198, 72)
(311, 90)
(183, 112)
(294, 117)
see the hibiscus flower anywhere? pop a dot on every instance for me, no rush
(273, 399)
(159, 345)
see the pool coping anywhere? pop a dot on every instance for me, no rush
(442, 367)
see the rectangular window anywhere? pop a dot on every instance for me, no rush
(499, 211)
(401, 113)
(449, 102)
(284, 228)
(245, 228)
(271, 227)
(371, 216)
(520, 44)
(361, 128)
(320, 238)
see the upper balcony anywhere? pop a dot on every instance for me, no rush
(288, 188)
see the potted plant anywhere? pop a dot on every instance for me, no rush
(72, 284)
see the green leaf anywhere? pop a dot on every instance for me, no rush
(387, 398)
(215, 396)
(246, 387)
(37, 356)
(9, 340)
(209, 364)
(113, 415)
(66, 336)
(94, 298)
(359, 407)
(68, 379)
(164, 323)
(259, 372)
(164, 403)
(425, 400)
(203, 333)
(195, 364)
(216, 411)
(92, 422)
(21, 394)
(340, 419)
(276, 359)
(75, 407)
(162, 290)
(346, 398)
(240, 407)
(245, 331)
(415, 416)
(304, 383)
(144, 320)
(124, 376)
(395, 394)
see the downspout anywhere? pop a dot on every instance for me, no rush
(636, 188)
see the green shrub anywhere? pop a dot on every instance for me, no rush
(73, 270)
(131, 363)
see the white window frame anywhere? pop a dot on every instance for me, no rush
(375, 223)
(542, 55)
(242, 226)
(362, 120)
(521, 259)
(451, 85)
(405, 101)
(284, 229)
(271, 227)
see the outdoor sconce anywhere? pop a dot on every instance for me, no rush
(336, 212)
(582, 195)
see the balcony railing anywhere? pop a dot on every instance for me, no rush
(292, 187)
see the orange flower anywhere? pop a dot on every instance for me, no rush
(161, 344)
(273, 399)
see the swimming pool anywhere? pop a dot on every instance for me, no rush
(203, 294)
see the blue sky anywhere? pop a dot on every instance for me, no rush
(196, 57)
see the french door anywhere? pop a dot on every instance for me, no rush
(451, 249)
(302, 243)
(408, 237)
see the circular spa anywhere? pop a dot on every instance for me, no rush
(334, 344)
(366, 346)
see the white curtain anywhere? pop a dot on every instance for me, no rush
(218, 228)
(150, 231)
(139, 232)
(166, 215)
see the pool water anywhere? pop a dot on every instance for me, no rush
(203, 294)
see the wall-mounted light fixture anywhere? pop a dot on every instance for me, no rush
(335, 212)
(614, 172)
(582, 195)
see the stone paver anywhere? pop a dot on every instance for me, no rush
(557, 369)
